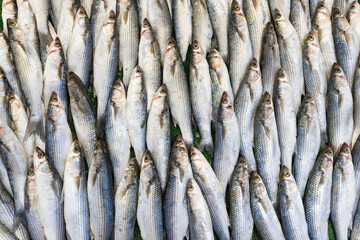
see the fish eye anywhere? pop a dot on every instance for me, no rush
(311, 37)
(76, 149)
(281, 74)
(337, 70)
(82, 11)
(254, 64)
(147, 159)
(321, 5)
(11, 23)
(329, 152)
(112, 15)
(277, 15)
(196, 45)
(191, 187)
(12, 98)
(40, 155)
(237, 7)
(54, 98)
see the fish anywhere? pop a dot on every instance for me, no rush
(80, 49)
(353, 16)
(247, 100)
(318, 195)
(200, 95)
(128, 28)
(227, 141)
(339, 111)
(355, 233)
(266, 221)
(200, 224)
(176, 219)
(87, 4)
(4, 176)
(285, 116)
(240, 48)
(55, 11)
(212, 192)
(76, 206)
(66, 21)
(342, 5)
(126, 195)
(136, 113)
(142, 10)
(314, 5)
(291, 207)
(355, 153)
(300, 18)
(202, 29)
(356, 100)
(4, 92)
(9, 10)
(149, 206)
(6, 233)
(174, 77)
(116, 134)
(283, 5)
(105, 68)
(48, 193)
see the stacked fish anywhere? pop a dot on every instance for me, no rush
(87, 155)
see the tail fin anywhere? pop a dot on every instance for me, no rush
(19, 218)
(206, 144)
(35, 126)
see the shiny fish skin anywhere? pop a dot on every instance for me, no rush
(285, 116)
(8, 11)
(27, 22)
(355, 153)
(4, 92)
(291, 207)
(201, 24)
(66, 22)
(240, 48)
(116, 134)
(6, 234)
(265, 219)
(356, 99)
(126, 195)
(342, 193)
(340, 109)
(150, 213)
(4, 176)
(354, 17)
(318, 195)
(158, 133)
(175, 209)
(212, 192)
(76, 207)
(199, 216)
(227, 141)
(240, 211)
(307, 141)
(355, 231)
(300, 18)
(245, 107)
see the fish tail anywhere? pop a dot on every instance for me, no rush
(207, 144)
(35, 126)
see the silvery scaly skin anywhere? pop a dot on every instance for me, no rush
(240, 211)
(76, 206)
(240, 49)
(136, 114)
(212, 192)
(267, 150)
(127, 23)
(66, 22)
(342, 193)
(342, 5)
(158, 133)
(291, 207)
(201, 24)
(339, 111)
(356, 99)
(126, 195)
(199, 216)
(4, 177)
(265, 219)
(27, 22)
(4, 90)
(174, 77)
(116, 134)
(149, 61)
(356, 162)
(285, 118)
(354, 16)
(307, 141)
(318, 195)
(314, 4)
(300, 18)
(175, 209)
(227, 141)
(150, 208)
(80, 49)
(48, 202)
(6, 233)
(200, 95)
(8, 11)
(245, 107)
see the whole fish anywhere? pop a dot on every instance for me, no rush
(149, 61)
(135, 113)
(126, 195)
(270, 59)
(342, 193)
(200, 95)
(158, 133)
(240, 49)
(201, 24)
(83, 116)
(76, 206)
(106, 61)
(318, 195)
(356, 99)
(307, 141)
(4, 93)
(339, 111)
(266, 222)
(87, 4)
(290, 56)
(245, 107)
(128, 24)
(80, 49)
(199, 216)
(48, 202)
(285, 118)
(212, 192)
(55, 12)
(175, 208)
(27, 22)
(66, 22)
(149, 206)
(354, 16)
(315, 4)
(291, 207)
(342, 5)
(267, 149)
(174, 77)
(9, 10)
(116, 134)
(240, 211)
(300, 18)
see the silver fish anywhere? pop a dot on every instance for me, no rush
(356, 99)
(355, 231)
(8, 11)
(4, 92)
(27, 22)
(354, 16)
(300, 18)
(66, 22)
(355, 153)
(201, 24)
(4, 176)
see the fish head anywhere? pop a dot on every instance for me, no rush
(118, 94)
(30, 183)
(15, 32)
(225, 100)
(81, 18)
(73, 83)
(15, 103)
(255, 73)
(109, 25)
(327, 159)
(131, 170)
(146, 166)
(281, 23)
(41, 164)
(322, 15)
(354, 9)
(192, 189)
(198, 160)
(257, 185)
(238, 19)
(171, 53)
(74, 162)
(270, 35)
(345, 157)
(241, 172)
(56, 107)
(340, 80)
(146, 30)
(197, 54)
(160, 94)
(137, 73)
(266, 107)
(283, 85)
(215, 59)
